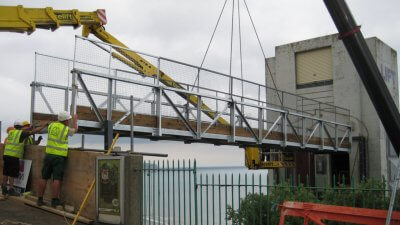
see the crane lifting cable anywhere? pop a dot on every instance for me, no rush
(240, 45)
(262, 50)
(254, 155)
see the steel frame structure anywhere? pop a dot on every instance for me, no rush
(260, 127)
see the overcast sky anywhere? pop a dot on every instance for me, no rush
(181, 30)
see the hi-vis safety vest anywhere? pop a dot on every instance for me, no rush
(29, 140)
(57, 142)
(13, 147)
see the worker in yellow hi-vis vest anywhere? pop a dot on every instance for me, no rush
(13, 152)
(26, 125)
(56, 156)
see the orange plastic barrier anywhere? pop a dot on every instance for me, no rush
(319, 212)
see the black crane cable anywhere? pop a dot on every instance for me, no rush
(262, 50)
(209, 43)
(241, 66)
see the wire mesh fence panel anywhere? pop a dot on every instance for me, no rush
(143, 97)
(52, 70)
(181, 73)
(274, 97)
(214, 81)
(98, 89)
(49, 100)
(250, 113)
(177, 103)
(94, 53)
(294, 126)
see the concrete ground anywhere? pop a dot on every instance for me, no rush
(15, 212)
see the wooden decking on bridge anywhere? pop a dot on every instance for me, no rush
(150, 121)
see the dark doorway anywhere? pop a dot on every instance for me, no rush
(340, 168)
(305, 168)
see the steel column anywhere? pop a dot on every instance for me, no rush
(321, 134)
(108, 133)
(158, 110)
(260, 125)
(109, 99)
(198, 119)
(83, 142)
(74, 93)
(66, 102)
(33, 92)
(284, 129)
(232, 121)
(303, 132)
(132, 124)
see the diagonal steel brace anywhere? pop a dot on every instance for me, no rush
(215, 119)
(180, 114)
(91, 101)
(246, 122)
(273, 126)
(294, 130)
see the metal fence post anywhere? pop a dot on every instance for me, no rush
(199, 104)
(108, 124)
(158, 110)
(109, 98)
(196, 221)
(33, 92)
(66, 101)
(158, 70)
(198, 80)
(232, 121)
(74, 94)
(260, 125)
(83, 142)
(393, 195)
(284, 129)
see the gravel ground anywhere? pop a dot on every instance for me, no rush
(15, 212)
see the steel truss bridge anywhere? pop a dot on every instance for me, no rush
(198, 105)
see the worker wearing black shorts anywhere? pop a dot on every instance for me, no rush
(13, 152)
(53, 165)
(55, 159)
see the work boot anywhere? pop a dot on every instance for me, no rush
(40, 201)
(12, 192)
(57, 204)
(4, 190)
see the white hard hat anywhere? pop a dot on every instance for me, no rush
(63, 115)
(17, 123)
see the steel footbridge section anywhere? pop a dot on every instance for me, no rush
(102, 88)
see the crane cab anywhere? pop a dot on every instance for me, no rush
(257, 159)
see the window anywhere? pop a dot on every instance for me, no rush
(314, 68)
